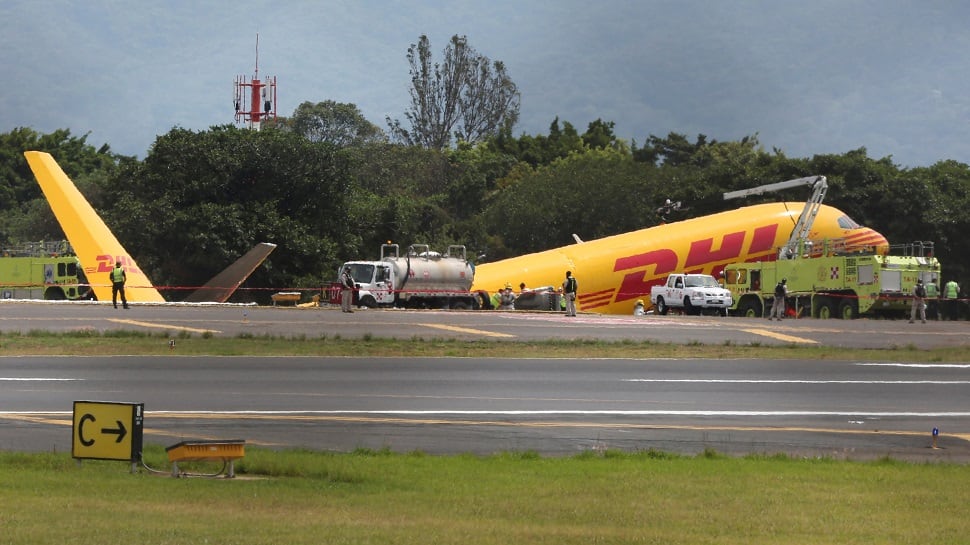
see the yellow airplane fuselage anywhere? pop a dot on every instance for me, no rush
(614, 272)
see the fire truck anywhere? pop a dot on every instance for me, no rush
(823, 279)
(824, 284)
(42, 270)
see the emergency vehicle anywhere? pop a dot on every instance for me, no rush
(828, 278)
(829, 285)
(42, 270)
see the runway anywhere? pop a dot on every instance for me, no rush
(234, 320)
(470, 405)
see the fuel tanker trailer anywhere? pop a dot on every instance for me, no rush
(420, 278)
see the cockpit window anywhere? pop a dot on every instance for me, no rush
(846, 222)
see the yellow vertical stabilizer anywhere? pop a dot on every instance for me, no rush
(96, 247)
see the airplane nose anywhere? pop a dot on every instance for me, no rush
(866, 239)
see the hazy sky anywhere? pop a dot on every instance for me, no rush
(808, 77)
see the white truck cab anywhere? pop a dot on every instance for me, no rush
(694, 293)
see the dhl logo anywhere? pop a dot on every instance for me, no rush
(702, 257)
(106, 264)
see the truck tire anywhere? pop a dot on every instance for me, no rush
(662, 308)
(689, 308)
(367, 301)
(750, 308)
(54, 294)
(848, 309)
(826, 309)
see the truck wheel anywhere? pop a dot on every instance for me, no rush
(825, 309)
(54, 294)
(662, 306)
(848, 309)
(689, 309)
(749, 309)
(367, 301)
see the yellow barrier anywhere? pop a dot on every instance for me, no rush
(202, 451)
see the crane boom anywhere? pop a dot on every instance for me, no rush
(805, 220)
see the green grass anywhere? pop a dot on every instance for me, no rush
(298, 497)
(93, 343)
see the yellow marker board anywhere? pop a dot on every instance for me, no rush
(105, 430)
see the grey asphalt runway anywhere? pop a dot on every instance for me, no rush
(232, 321)
(450, 405)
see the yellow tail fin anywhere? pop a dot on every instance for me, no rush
(96, 246)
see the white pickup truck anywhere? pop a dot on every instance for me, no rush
(694, 293)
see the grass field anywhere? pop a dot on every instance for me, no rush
(90, 343)
(363, 497)
(298, 497)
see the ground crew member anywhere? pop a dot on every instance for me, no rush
(950, 292)
(507, 298)
(118, 279)
(638, 308)
(932, 304)
(569, 287)
(778, 306)
(346, 290)
(496, 299)
(919, 306)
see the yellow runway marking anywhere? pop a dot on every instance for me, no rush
(163, 415)
(779, 336)
(163, 326)
(466, 330)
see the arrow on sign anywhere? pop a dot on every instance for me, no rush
(120, 431)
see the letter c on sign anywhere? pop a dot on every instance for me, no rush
(80, 430)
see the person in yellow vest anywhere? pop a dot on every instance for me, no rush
(951, 291)
(932, 304)
(118, 279)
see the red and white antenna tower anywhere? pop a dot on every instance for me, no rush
(259, 96)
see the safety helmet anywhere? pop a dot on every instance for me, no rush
(640, 302)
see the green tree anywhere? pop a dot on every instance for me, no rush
(467, 96)
(539, 149)
(592, 194)
(336, 123)
(202, 199)
(25, 214)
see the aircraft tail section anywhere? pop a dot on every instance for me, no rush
(95, 244)
(224, 284)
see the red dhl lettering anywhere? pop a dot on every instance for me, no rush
(700, 256)
(106, 263)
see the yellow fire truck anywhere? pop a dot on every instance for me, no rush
(42, 270)
(824, 284)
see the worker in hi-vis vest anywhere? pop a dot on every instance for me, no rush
(118, 278)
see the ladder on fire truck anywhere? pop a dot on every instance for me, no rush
(803, 226)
